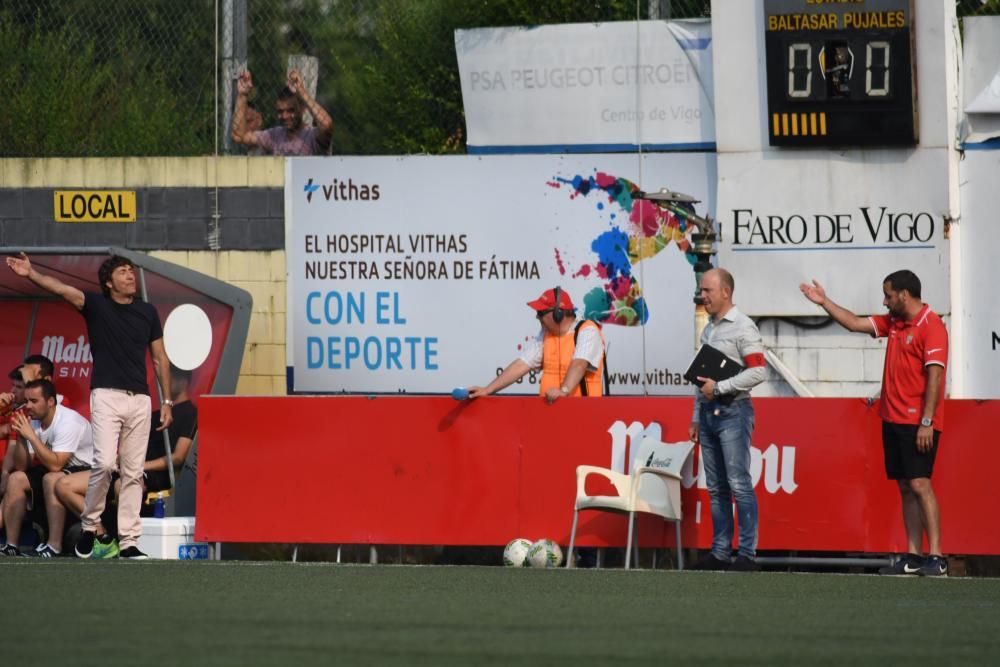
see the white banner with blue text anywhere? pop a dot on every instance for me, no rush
(412, 274)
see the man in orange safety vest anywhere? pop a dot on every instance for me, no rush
(570, 354)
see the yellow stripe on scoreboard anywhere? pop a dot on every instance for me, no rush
(798, 124)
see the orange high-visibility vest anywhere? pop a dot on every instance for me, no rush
(557, 354)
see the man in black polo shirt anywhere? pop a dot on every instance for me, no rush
(182, 432)
(120, 327)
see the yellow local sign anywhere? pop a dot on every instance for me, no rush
(95, 205)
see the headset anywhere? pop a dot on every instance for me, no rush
(558, 314)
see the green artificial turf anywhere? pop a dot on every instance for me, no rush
(248, 613)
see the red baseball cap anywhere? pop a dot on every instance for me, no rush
(547, 301)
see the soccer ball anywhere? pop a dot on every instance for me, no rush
(515, 554)
(545, 553)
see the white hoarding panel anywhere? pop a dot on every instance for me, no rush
(846, 219)
(980, 240)
(588, 87)
(413, 274)
(981, 78)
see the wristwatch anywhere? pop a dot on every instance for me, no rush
(168, 402)
(926, 421)
(564, 390)
(715, 390)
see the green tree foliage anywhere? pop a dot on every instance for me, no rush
(404, 95)
(137, 77)
(977, 7)
(78, 80)
(388, 68)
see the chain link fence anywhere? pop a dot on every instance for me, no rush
(87, 78)
(156, 77)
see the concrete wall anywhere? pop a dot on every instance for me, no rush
(829, 361)
(176, 193)
(182, 203)
(223, 217)
(263, 275)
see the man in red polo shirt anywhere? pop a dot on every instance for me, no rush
(912, 406)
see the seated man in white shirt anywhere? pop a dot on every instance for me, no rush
(62, 443)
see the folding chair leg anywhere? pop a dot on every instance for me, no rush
(680, 551)
(572, 539)
(628, 542)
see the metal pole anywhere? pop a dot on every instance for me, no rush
(703, 246)
(215, 100)
(240, 20)
(659, 9)
(702, 243)
(234, 59)
(228, 74)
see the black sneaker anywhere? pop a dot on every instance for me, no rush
(132, 553)
(743, 564)
(11, 550)
(43, 550)
(85, 545)
(711, 563)
(908, 564)
(934, 566)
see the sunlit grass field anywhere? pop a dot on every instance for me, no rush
(250, 613)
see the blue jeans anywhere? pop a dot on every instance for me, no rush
(725, 451)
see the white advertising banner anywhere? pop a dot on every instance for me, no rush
(980, 239)
(413, 274)
(846, 219)
(588, 87)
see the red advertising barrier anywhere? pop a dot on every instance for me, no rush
(429, 470)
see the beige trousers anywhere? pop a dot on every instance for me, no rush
(121, 423)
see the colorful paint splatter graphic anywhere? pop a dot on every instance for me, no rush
(647, 230)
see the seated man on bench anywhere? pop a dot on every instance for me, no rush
(182, 431)
(63, 446)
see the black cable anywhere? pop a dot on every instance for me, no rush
(799, 322)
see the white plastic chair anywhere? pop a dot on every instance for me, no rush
(654, 487)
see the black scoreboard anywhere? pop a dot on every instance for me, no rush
(840, 73)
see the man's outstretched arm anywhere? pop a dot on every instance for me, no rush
(516, 369)
(244, 84)
(22, 267)
(843, 317)
(323, 121)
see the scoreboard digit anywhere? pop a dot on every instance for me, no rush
(840, 73)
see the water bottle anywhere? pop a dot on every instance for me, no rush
(460, 393)
(159, 506)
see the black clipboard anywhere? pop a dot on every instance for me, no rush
(713, 364)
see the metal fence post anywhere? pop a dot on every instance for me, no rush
(234, 59)
(659, 9)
